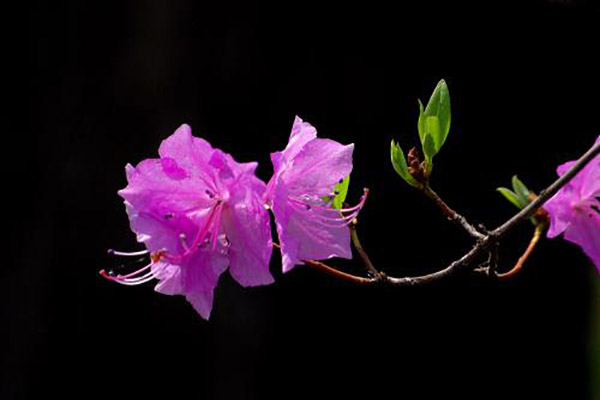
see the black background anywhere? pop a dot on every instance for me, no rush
(106, 83)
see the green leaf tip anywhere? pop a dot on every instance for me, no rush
(400, 165)
(510, 196)
(434, 121)
(520, 196)
(520, 189)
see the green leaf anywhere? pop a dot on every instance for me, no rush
(341, 191)
(429, 147)
(510, 196)
(421, 122)
(432, 130)
(400, 165)
(439, 106)
(520, 190)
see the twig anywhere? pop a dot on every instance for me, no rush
(450, 213)
(373, 272)
(486, 242)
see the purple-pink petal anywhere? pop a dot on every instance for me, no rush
(308, 234)
(151, 187)
(191, 153)
(318, 167)
(585, 231)
(560, 210)
(248, 227)
(199, 276)
(302, 133)
(169, 278)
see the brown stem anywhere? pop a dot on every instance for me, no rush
(373, 272)
(339, 274)
(450, 213)
(332, 271)
(537, 234)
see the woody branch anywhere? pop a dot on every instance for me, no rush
(486, 242)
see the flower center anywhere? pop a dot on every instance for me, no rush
(207, 235)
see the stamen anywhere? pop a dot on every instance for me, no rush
(127, 279)
(343, 216)
(130, 282)
(340, 216)
(183, 243)
(128, 254)
(215, 233)
(360, 205)
(134, 273)
(215, 215)
(345, 221)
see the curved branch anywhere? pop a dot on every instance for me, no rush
(537, 235)
(486, 242)
(373, 272)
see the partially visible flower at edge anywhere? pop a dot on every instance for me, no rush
(575, 209)
(198, 211)
(299, 192)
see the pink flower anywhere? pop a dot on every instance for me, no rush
(198, 212)
(575, 209)
(305, 174)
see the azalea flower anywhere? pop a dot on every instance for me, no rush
(575, 209)
(198, 212)
(300, 194)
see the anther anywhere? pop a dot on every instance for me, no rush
(157, 255)
(182, 240)
(168, 216)
(209, 193)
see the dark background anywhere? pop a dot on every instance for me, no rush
(106, 83)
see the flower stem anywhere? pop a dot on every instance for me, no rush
(332, 271)
(373, 272)
(337, 273)
(537, 234)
